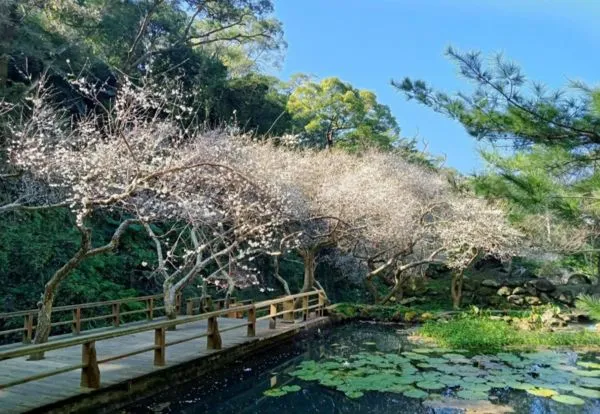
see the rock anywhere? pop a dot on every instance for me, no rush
(531, 290)
(543, 285)
(578, 279)
(521, 272)
(504, 291)
(550, 319)
(491, 283)
(566, 298)
(427, 316)
(513, 283)
(408, 301)
(533, 300)
(520, 291)
(516, 299)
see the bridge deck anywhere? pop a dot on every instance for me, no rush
(36, 394)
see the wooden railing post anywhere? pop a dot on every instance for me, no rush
(28, 326)
(288, 308)
(150, 309)
(76, 327)
(160, 347)
(178, 304)
(189, 307)
(252, 321)
(273, 314)
(90, 373)
(213, 339)
(321, 308)
(116, 310)
(305, 308)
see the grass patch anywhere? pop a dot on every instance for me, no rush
(481, 334)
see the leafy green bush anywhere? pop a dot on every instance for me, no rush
(482, 334)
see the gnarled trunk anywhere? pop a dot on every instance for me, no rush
(309, 258)
(456, 289)
(170, 299)
(44, 319)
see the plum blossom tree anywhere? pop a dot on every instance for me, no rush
(138, 158)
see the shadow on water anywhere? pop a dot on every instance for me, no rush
(239, 387)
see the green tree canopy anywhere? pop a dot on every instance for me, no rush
(334, 112)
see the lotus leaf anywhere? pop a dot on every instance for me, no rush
(589, 382)
(593, 365)
(415, 393)
(583, 373)
(430, 385)
(274, 392)
(472, 395)
(354, 394)
(586, 392)
(568, 399)
(542, 392)
(476, 387)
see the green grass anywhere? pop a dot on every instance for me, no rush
(481, 334)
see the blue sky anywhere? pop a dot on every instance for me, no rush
(369, 42)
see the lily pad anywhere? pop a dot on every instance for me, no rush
(472, 395)
(586, 392)
(415, 393)
(274, 392)
(568, 399)
(593, 365)
(583, 373)
(354, 394)
(430, 385)
(291, 388)
(542, 392)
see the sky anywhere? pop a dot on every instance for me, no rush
(370, 42)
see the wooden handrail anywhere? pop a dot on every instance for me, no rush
(90, 372)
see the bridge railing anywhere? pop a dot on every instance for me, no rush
(91, 362)
(85, 316)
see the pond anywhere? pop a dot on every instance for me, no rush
(363, 367)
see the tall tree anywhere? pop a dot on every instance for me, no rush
(334, 112)
(552, 177)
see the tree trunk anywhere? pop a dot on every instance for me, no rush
(284, 283)
(310, 263)
(456, 289)
(170, 299)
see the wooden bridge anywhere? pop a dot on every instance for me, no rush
(85, 364)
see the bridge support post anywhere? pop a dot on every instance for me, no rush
(321, 308)
(189, 308)
(252, 321)
(116, 310)
(273, 314)
(213, 339)
(288, 308)
(76, 328)
(28, 326)
(160, 347)
(150, 309)
(305, 308)
(90, 373)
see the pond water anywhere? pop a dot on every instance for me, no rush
(363, 368)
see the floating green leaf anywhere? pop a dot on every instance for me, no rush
(274, 392)
(541, 392)
(568, 399)
(430, 385)
(586, 392)
(472, 395)
(415, 393)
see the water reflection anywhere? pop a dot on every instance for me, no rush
(240, 387)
